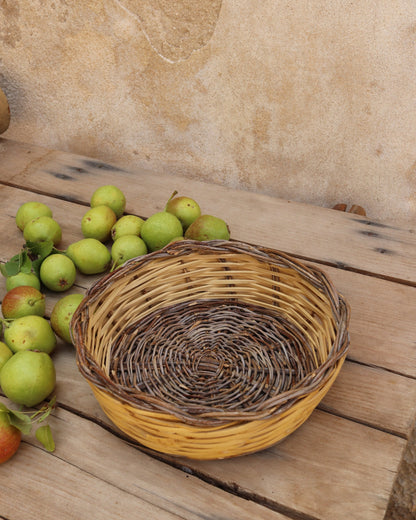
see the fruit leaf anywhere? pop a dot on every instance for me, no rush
(21, 421)
(12, 267)
(39, 250)
(25, 263)
(44, 436)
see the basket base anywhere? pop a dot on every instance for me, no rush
(167, 434)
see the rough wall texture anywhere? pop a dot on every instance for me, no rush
(311, 101)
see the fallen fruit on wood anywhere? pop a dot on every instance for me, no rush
(208, 227)
(29, 333)
(62, 313)
(28, 377)
(23, 301)
(10, 436)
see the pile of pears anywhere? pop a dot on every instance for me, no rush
(110, 238)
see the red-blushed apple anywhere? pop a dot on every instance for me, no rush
(10, 436)
(23, 301)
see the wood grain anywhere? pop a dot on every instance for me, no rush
(341, 239)
(95, 475)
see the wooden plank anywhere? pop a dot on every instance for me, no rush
(96, 475)
(383, 325)
(375, 397)
(338, 238)
(329, 469)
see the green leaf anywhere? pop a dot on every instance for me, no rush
(12, 267)
(20, 421)
(39, 250)
(3, 270)
(26, 263)
(44, 436)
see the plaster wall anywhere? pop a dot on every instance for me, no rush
(310, 101)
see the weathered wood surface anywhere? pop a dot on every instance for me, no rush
(341, 239)
(340, 464)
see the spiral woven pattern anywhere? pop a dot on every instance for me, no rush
(211, 349)
(211, 355)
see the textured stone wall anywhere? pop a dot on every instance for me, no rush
(311, 101)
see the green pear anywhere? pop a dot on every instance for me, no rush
(127, 247)
(159, 229)
(89, 255)
(97, 223)
(28, 377)
(5, 354)
(22, 279)
(29, 211)
(29, 333)
(23, 301)
(110, 196)
(185, 209)
(58, 272)
(208, 227)
(42, 229)
(62, 313)
(127, 225)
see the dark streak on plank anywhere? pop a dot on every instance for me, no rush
(375, 224)
(77, 169)
(61, 176)
(372, 234)
(102, 166)
(384, 251)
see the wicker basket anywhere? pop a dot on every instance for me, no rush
(211, 349)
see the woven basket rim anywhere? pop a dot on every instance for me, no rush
(96, 376)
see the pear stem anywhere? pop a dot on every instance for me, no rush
(171, 197)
